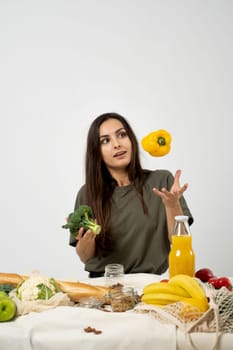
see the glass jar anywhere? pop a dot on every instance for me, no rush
(122, 299)
(114, 274)
(181, 257)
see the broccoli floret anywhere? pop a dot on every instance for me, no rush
(82, 217)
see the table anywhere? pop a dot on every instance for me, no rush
(62, 328)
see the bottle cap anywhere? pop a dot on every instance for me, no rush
(181, 218)
(181, 226)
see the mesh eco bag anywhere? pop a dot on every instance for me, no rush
(25, 307)
(217, 319)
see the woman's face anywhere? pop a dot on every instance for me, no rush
(115, 145)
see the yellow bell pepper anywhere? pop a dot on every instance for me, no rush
(157, 143)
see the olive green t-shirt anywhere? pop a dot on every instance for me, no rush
(141, 241)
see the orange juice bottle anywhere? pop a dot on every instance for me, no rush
(181, 257)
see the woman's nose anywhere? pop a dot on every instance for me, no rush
(116, 143)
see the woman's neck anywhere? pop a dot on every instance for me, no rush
(122, 182)
(121, 178)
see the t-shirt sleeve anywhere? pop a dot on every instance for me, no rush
(186, 210)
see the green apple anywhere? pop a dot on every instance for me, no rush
(7, 309)
(3, 294)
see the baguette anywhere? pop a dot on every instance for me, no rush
(78, 290)
(75, 290)
(11, 278)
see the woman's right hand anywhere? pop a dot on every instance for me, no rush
(85, 246)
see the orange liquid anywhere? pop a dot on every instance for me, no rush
(181, 256)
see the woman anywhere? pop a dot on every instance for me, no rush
(134, 206)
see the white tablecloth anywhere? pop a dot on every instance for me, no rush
(62, 328)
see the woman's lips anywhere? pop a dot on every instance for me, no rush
(119, 154)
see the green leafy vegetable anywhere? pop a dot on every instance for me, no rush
(54, 284)
(44, 292)
(82, 217)
(5, 287)
(37, 288)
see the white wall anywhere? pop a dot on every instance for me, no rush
(162, 64)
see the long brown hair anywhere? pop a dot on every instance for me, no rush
(99, 184)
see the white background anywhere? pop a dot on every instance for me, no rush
(162, 64)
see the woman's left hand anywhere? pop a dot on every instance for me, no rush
(171, 198)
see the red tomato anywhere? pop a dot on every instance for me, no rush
(225, 282)
(204, 274)
(220, 282)
(215, 282)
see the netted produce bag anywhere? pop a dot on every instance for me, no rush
(222, 302)
(217, 319)
(38, 293)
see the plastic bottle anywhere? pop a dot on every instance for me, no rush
(181, 256)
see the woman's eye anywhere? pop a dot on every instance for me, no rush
(122, 134)
(104, 141)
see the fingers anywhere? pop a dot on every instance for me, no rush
(80, 233)
(164, 193)
(177, 177)
(176, 190)
(183, 188)
(89, 236)
(85, 235)
(160, 192)
(176, 184)
(156, 191)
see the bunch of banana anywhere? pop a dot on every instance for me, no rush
(179, 288)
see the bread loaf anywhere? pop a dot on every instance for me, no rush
(10, 278)
(75, 290)
(78, 290)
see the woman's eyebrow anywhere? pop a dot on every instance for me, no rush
(120, 130)
(116, 132)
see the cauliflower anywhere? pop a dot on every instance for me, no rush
(37, 287)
